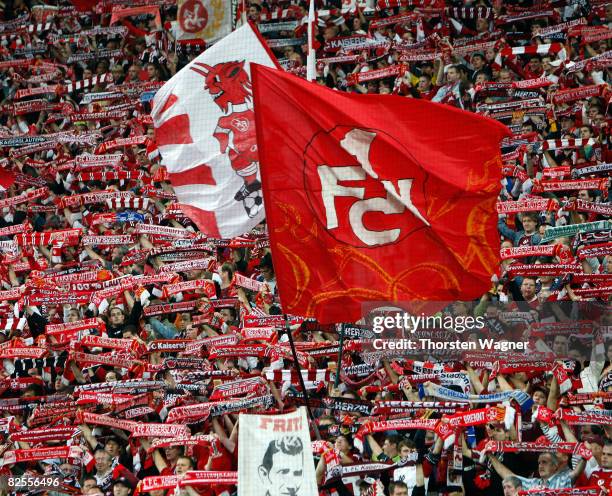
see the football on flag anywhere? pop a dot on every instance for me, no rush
(205, 132)
(371, 204)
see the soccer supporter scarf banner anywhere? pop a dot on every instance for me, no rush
(529, 251)
(519, 447)
(573, 229)
(532, 49)
(397, 424)
(269, 446)
(527, 205)
(436, 391)
(365, 178)
(36, 454)
(205, 132)
(564, 491)
(597, 417)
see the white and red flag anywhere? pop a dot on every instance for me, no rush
(205, 132)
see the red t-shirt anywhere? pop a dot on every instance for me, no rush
(224, 461)
(169, 470)
(601, 478)
(428, 95)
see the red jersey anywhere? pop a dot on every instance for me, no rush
(601, 478)
(223, 461)
(168, 470)
(239, 131)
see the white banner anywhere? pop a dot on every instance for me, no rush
(206, 20)
(205, 131)
(274, 456)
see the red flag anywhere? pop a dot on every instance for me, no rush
(374, 197)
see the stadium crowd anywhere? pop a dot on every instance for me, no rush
(130, 341)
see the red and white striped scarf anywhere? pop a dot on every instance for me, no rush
(117, 175)
(559, 144)
(283, 375)
(137, 203)
(87, 83)
(10, 324)
(545, 48)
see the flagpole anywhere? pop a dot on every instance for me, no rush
(243, 15)
(311, 58)
(301, 379)
(340, 349)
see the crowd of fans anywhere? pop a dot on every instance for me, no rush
(106, 337)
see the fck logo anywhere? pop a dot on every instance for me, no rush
(371, 189)
(241, 124)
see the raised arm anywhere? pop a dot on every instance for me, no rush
(88, 435)
(499, 467)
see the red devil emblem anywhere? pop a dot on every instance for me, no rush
(229, 85)
(193, 16)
